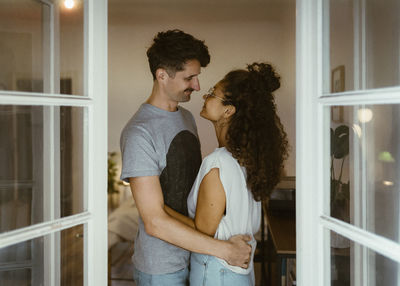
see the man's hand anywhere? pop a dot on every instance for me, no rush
(240, 251)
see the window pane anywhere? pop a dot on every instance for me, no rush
(365, 156)
(378, 41)
(341, 45)
(71, 47)
(41, 166)
(27, 263)
(383, 39)
(359, 265)
(21, 45)
(25, 46)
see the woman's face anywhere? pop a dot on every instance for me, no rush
(213, 108)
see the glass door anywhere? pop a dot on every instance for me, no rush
(52, 90)
(348, 97)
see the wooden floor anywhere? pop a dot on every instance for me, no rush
(122, 266)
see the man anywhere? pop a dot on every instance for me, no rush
(161, 157)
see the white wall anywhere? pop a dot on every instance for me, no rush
(232, 44)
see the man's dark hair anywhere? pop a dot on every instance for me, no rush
(171, 49)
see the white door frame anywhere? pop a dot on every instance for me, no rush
(312, 142)
(309, 115)
(94, 100)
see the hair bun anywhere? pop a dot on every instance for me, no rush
(265, 73)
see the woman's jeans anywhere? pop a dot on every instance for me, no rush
(205, 270)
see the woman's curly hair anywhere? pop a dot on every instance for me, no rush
(255, 136)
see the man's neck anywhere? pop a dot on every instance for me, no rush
(160, 100)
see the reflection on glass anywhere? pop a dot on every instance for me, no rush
(382, 43)
(21, 45)
(71, 47)
(25, 46)
(339, 173)
(378, 41)
(71, 159)
(25, 263)
(364, 175)
(359, 265)
(27, 170)
(341, 45)
(340, 260)
(365, 115)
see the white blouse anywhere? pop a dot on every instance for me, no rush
(243, 213)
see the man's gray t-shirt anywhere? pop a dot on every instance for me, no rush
(157, 142)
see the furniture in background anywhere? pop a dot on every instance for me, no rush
(280, 213)
(281, 244)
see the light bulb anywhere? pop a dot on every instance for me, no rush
(69, 4)
(365, 115)
(388, 183)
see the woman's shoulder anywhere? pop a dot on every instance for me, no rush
(218, 157)
(219, 152)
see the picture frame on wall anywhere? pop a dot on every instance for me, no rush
(337, 85)
(337, 79)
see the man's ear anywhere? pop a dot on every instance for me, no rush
(161, 74)
(229, 111)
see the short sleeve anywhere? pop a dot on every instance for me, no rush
(139, 156)
(210, 162)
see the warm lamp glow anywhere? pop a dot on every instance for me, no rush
(69, 4)
(357, 130)
(365, 115)
(388, 183)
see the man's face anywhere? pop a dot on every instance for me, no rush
(180, 87)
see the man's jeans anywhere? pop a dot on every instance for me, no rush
(178, 278)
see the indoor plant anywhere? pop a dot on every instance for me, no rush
(113, 182)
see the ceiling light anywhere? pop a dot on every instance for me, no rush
(388, 183)
(69, 4)
(365, 115)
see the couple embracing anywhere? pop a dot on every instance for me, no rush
(194, 214)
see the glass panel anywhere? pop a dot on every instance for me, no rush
(383, 43)
(359, 265)
(25, 43)
(71, 157)
(341, 45)
(71, 47)
(27, 263)
(38, 183)
(365, 156)
(21, 45)
(72, 253)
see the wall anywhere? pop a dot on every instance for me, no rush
(233, 42)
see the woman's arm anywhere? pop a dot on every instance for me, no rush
(210, 203)
(182, 218)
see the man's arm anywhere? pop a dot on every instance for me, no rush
(150, 203)
(182, 218)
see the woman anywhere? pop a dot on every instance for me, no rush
(242, 171)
